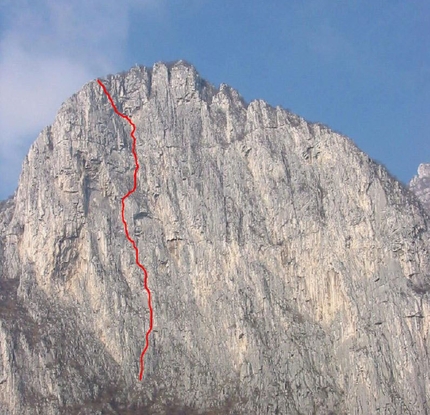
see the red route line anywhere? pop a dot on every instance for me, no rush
(131, 240)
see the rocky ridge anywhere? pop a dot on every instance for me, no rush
(290, 272)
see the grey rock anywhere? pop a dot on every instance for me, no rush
(290, 273)
(420, 185)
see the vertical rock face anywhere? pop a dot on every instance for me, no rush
(290, 273)
(420, 185)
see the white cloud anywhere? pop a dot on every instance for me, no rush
(33, 87)
(48, 50)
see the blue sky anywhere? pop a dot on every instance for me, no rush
(362, 67)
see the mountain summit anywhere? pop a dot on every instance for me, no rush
(290, 273)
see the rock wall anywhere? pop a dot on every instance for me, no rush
(290, 273)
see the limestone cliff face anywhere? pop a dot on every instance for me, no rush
(420, 185)
(290, 273)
